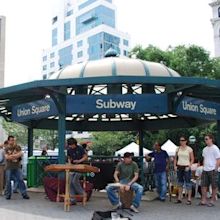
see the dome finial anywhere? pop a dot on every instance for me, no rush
(111, 52)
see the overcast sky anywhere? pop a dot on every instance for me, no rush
(161, 23)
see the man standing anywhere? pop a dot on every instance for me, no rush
(161, 162)
(13, 155)
(126, 173)
(76, 155)
(211, 163)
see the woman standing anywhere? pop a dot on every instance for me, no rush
(183, 160)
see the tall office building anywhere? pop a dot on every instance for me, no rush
(2, 50)
(83, 30)
(215, 4)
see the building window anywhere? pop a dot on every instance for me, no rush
(125, 53)
(79, 43)
(52, 65)
(80, 54)
(54, 20)
(125, 42)
(67, 30)
(95, 17)
(54, 37)
(44, 67)
(52, 55)
(44, 58)
(69, 13)
(85, 4)
(219, 12)
(65, 56)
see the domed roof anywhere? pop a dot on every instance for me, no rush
(114, 66)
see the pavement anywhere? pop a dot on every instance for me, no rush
(39, 208)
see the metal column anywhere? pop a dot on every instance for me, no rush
(141, 153)
(30, 142)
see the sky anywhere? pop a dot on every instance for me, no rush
(160, 23)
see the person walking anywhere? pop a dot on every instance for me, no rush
(182, 164)
(211, 163)
(161, 165)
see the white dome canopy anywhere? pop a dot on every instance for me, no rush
(114, 66)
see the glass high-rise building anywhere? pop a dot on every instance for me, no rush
(83, 30)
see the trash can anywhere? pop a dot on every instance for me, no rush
(35, 169)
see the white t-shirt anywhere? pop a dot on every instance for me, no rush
(210, 154)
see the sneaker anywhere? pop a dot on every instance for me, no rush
(73, 202)
(25, 196)
(8, 197)
(133, 209)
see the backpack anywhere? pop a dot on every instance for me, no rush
(100, 215)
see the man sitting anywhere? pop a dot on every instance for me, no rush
(126, 173)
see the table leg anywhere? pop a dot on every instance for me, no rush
(58, 189)
(84, 188)
(67, 192)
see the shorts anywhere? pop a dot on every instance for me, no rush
(209, 178)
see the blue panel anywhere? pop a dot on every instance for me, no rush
(97, 16)
(67, 30)
(198, 108)
(80, 43)
(54, 37)
(65, 56)
(78, 104)
(85, 4)
(34, 110)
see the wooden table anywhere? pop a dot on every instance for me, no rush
(67, 168)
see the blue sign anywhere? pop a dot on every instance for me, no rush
(34, 110)
(198, 108)
(126, 104)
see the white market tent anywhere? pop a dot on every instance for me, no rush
(132, 148)
(169, 147)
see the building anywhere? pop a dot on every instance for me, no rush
(215, 4)
(2, 50)
(83, 30)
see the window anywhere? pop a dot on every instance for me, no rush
(54, 37)
(125, 42)
(54, 20)
(80, 54)
(52, 65)
(85, 4)
(52, 55)
(219, 12)
(95, 17)
(67, 30)
(44, 58)
(69, 13)
(79, 43)
(65, 56)
(125, 53)
(44, 67)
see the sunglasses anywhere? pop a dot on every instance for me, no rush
(182, 140)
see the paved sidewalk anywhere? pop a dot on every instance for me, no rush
(38, 208)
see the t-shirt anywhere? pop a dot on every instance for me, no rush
(127, 171)
(184, 156)
(2, 156)
(210, 155)
(160, 160)
(75, 153)
(13, 164)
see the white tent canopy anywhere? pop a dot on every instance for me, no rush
(132, 148)
(169, 147)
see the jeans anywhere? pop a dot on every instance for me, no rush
(114, 199)
(75, 186)
(184, 177)
(161, 184)
(17, 175)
